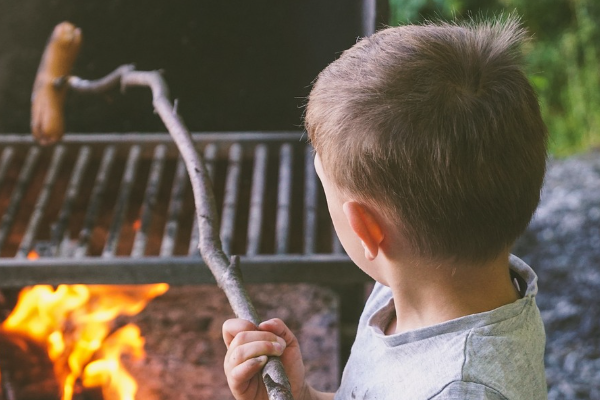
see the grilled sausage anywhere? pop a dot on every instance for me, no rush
(48, 98)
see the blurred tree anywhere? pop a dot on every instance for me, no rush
(561, 59)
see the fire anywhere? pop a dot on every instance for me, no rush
(137, 224)
(33, 255)
(108, 372)
(76, 325)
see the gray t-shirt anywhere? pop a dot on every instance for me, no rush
(496, 355)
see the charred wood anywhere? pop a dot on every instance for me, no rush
(27, 372)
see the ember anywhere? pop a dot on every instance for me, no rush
(76, 324)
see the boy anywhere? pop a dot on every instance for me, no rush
(431, 151)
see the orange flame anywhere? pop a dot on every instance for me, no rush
(33, 255)
(137, 224)
(108, 372)
(74, 322)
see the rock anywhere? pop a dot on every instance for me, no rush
(562, 244)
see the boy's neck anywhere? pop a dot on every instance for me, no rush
(427, 294)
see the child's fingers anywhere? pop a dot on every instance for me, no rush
(248, 345)
(280, 329)
(242, 373)
(244, 379)
(233, 326)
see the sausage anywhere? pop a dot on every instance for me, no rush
(47, 98)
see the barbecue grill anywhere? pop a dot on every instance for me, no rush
(118, 209)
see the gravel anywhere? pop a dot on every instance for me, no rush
(562, 244)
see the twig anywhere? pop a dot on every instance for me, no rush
(226, 272)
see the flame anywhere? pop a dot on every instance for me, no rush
(108, 371)
(137, 224)
(33, 255)
(75, 322)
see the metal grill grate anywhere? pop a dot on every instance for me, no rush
(118, 208)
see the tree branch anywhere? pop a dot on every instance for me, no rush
(226, 272)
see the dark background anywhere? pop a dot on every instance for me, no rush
(232, 65)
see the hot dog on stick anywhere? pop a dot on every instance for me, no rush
(48, 96)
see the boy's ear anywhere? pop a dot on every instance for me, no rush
(365, 226)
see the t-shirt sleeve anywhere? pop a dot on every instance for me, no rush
(460, 390)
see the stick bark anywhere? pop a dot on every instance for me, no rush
(225, 270)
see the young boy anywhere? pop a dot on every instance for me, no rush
(431, 151)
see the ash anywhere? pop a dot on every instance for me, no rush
(562, 244)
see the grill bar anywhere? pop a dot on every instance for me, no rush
(255, 219)
(336, 244)
(231, 197)
(116, 208)
(97, 198)
(58, 229)
(283, 199)
(156, 171)
(40, 205)
(175, 209)
(310, 202)
(122, 201)
(324, 269)
(24, 179)
(7, 155)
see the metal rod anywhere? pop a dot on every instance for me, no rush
(257, 194)
(154, 179)
(210, 155)
(160, 137)
(369, 17)
(181, 270)
(18, 193)
(335, 242)
(96, 199)
(42, 201)
(231, 196)
(310, 201)
(58, 229)
(5, 159)
(175, 206)
(284, 194)
(110, 248)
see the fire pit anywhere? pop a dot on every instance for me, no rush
(117, 209)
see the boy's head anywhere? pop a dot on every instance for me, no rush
(437, 128)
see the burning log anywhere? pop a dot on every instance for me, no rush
(27, 371)
(226, 271)
(69, 341)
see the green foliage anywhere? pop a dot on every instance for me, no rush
(562, 59)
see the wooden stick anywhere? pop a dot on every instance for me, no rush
(226, 271)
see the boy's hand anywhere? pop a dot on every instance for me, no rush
(247, 349)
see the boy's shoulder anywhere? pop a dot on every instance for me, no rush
(498, 354)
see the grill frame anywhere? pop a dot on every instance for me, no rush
(308, 265)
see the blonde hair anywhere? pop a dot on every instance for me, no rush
(437, 126)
